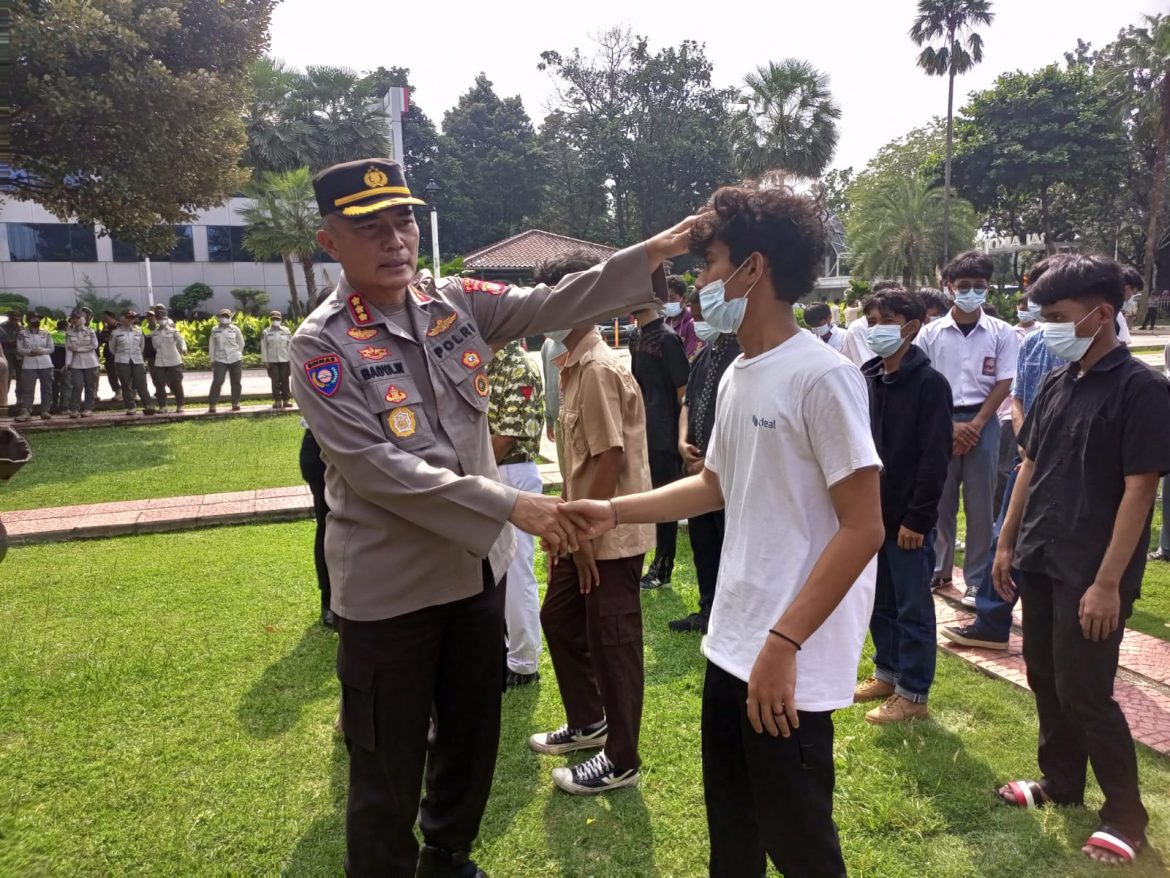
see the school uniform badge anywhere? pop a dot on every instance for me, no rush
(402, 422)
(359, 334)
(471, 360)
(324, 373)
(358, 311)
(396, 394)
(369, 352)
(481, 384)
(474, 285)
(442, 325)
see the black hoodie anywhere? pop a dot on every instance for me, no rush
(910, 413)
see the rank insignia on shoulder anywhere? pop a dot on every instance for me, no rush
(402, 422)
(358, 311)
(474, 285)
(369, 352)
(420, 297)
(324, 373)
(471, 360)
(442, 325)
(361, 334)
(481, 384)
(396, 394)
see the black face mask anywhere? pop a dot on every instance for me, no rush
(34, 325)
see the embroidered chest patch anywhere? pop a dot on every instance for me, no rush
(442, 325)
(359, 334)
(324, 373)
(402, 422)
(369, 352)
(396, 394)
(472, 360)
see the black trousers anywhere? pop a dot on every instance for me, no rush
(706, 533)
(313, 472)
(1080, 723)
(665, 467)
(1151, 318)
(766, 797)
(395, 674)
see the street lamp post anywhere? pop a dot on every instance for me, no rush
(432, 189)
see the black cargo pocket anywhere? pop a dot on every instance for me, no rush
(357, 700)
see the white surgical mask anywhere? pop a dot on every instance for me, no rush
(726, 315)
(1062, 340)
(276, 322)
(224, 321)
(672, 309)
(1024, 317)
(971, 300)
(822, 331)
(706, 332)
(884, 340)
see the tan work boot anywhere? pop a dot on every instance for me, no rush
(897, 709)
(872, 689)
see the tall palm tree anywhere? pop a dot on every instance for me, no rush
(278, 132)
(344, 119)
(786, 121)
(283, 222)
(954, 21)
(896, 231)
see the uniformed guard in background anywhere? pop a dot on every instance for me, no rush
(390, 374)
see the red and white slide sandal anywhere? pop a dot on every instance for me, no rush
(1109, 839)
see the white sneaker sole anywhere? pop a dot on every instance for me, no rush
(563, 778)
(540, 746)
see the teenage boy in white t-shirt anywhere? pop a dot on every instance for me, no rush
(793, 462)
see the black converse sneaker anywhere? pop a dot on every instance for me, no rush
(566, 740)
(595, 776)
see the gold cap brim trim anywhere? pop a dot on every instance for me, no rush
(364, 209)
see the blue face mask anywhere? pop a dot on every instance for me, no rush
(884, 340)
(1034, 310)
(706, 332)
(971, 300)
(726, 315)
(1024, 317)
(1062, 340)
(672, 309)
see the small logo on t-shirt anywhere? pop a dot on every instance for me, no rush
(989, 366)
(763, 422)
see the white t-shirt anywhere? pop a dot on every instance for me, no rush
(788, 424)
(856, 346)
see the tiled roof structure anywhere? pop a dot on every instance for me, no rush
(527, 250)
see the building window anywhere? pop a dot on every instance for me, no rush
(51, 242)
(183, 251)
(226, 244)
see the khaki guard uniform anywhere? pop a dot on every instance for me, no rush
(399, 407)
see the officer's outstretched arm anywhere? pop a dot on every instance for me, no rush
(470, 511)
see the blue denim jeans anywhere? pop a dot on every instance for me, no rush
(993, 615)
(903, 625)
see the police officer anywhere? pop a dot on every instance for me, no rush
(169, 348)
(390, 375)
(275, 342)
(129, 344)
(81, 359)
(34, 346)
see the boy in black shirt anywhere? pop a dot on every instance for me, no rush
(910, 415)
(1078, 523)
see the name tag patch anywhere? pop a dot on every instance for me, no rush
(989, 366)
(324, 373)
(383, 370)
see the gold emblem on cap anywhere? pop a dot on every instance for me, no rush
(375, 177)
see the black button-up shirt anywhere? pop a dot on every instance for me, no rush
(1085, 434)
(659, 363)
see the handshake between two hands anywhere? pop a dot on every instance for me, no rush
(566, 528)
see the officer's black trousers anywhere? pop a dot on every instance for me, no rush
(395, 674)
(313, 472)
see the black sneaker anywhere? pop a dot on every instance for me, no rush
(566, 740)
(969, 596)
(970, 635)
(514, 678)
(665, 569)
(939, 584)
(598, 775)
(436, 862)
(693, 622)
(651, 580)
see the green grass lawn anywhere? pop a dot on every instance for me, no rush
(71, 467)
(167, 701)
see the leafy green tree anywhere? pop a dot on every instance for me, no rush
(954, 22)
(489, 168)
(833, 189)
(895, 229)
(283, 221)
(127, 115)
(787, 120)
(279, 134)
(344, 122)
(186, 303)
(1029, 144)
(251, 301)
(576, 200)
(87, 296)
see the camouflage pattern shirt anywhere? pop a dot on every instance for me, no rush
(516, 402)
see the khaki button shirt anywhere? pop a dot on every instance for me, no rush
(398, 403)
(81, 347)
(169, 345)
(127, 345)
(601, 408)
(275, 343)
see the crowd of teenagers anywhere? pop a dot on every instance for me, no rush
(820, 472)
(66, 358)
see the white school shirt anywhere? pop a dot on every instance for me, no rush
(856, 346)
(972, 364)
(789, 424)
(835, 339)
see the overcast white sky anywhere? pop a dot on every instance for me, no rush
(861, 44)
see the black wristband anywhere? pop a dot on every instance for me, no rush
(784, 637)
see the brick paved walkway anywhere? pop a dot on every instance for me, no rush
(1143, 681)
(118, 417)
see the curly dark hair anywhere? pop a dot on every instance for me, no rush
(785, 228)
(553, 271)
(677, 285)
(1077, 276)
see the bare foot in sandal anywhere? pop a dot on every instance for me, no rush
(1023, 794)
(1109, 846)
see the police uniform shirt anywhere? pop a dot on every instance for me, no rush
(226, 344)
(41, 340)
(169, 345)
(275, 342)
(398, 403)
(127, 344)
(81, 346)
